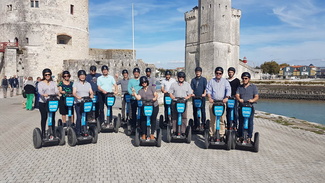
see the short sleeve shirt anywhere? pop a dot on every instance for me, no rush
(124, 85)
(179, 90)
(167, 83)
(106, 83)
(247, 93)
(149, 94)
(66, 88)
(82, 89)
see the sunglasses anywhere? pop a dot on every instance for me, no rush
(47, 74)
(245, 78)
(218, 73)
(181, 77)
(66, 76)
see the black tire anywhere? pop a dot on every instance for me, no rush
(234, 139)
(161, 122)
(128, 129)
(256, 142)
(188, 134)
(191, 123)
(72, 138)
(206, 139)
(137, 138)
(37, 138)
(159, 136)
(207, 124)
(168, 134)
(98, 126)
(117, 123)
(94, 133)
(228, 140)
(60, 133)
(60, 122)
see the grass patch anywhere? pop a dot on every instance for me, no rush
(293, 117)
(267, 113)
(319, 127)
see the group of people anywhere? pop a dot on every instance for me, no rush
(144, 88)
(12, 83)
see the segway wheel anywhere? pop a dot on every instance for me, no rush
(206, 139)
(60, 122)
(188, 134)
(191, 123)
(37, 138)
(234, 138)
(72, 138)
(98, 126)
(168, 134)
(161, 121)
(207, 124)
(60, 133)
(128, 129)
(256, 142)
(228, 140)
(159, 136)
(117, 124)
(137, 138)
(94, 133)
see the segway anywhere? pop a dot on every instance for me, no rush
(69, 101)
(197, 100)
(246, 111)
(129, 127)
(177, 135)
(216, 141)
(231, 124)
(93, 120)
(88, 134)
(111, 123)
(127, 99)
(168, 101)
(56, 137)
(147, 113)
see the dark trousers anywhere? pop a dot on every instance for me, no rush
(166, 111)
(235, 111)
(153, 121)
(250, 123)
(102, 102)
(175, 118)
(78, 121)
(134, 108)
(203, 115)
(94, 115)
(36, 103)
(44, 113)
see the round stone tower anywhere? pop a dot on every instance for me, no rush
(41, 34)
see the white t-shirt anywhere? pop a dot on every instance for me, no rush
(167, 83)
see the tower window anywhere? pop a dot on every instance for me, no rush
(64, 39)
(71, 9)
(27, 40)
(9, 7)
(34, 4)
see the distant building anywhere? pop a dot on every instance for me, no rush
(299, 71)
(320, 72)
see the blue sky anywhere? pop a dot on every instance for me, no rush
(291, 31)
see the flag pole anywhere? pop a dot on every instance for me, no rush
(133, 32)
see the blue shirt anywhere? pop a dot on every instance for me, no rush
(218, 89)
(135, 84)
(247, 93)
(106, 83)
(92, 79)
(198, 85)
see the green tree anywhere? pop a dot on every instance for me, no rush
(284, 65)
(271, 67)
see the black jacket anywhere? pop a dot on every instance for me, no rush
(29, 89)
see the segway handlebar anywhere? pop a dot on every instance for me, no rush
(109, 94)
(197, 97)
(180, 100)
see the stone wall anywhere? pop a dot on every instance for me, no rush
(292, 92)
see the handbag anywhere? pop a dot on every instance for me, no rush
(24, 94)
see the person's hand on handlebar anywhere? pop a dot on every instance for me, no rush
(45, 95)
(225, 100)
(250, 101)
(241, 100)
(211, 100)
(204, 95)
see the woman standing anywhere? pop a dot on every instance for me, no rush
(30, 92)
(148, 93)
(65, 87)
(45, 88)
(81, 89)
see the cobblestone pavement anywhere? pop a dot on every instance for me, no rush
(286, 155)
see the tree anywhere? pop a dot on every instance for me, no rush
(284, 65)
(271, 67)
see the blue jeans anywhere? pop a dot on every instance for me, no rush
(203, 115)
(250, 123)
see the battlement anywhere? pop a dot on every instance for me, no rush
(236, 13)
(192, 14)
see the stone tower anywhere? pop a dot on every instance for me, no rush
(212, 37)
(37, 34)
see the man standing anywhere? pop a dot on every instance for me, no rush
(36, 104)
(180, 89)
(165, 86)
(16, 84)
(152, 80)
(198, 85)
(124, 87)
(218, 88)
(234, 83)
(4, 85)
(246, 92)
(105, 85)
(92, 79)
(133, 88)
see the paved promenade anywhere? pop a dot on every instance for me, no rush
(286, 155)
